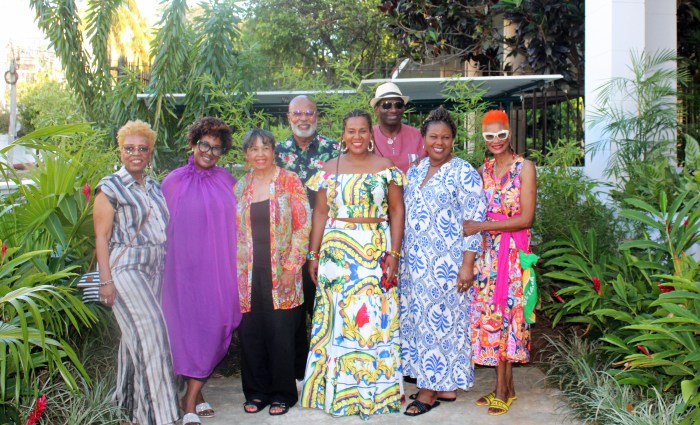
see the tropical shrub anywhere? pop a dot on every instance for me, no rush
(643, 302)
(576, 367)
(46, 102)
(35, 319)
(567, 199)
(48, 239)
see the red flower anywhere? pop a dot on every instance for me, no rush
(643, 350)
(557, 296)
(4, 250)
(596, 284)
(362, 318)
(665, 288)
(685, 223)
(38, 411)
(86, 192)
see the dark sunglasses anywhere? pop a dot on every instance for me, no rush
(398, 105)
(206, 147)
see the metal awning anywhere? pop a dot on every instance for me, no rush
(422, 91)
(432, 90)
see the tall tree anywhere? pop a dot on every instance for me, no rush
(314, 35)
(426, 29)
(190, 50)
(548, 33)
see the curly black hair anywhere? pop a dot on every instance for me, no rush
(210, 126)
(439, 115)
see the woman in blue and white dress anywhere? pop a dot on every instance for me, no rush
(437, 267)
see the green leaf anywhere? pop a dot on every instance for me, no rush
(641, 244)
(54, 226)
(643, 218)
(689, 388)
(616, 341)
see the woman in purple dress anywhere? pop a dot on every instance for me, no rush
(200, 292)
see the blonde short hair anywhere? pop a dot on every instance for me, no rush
(136, 128)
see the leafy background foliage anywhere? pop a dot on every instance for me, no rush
(616, 271)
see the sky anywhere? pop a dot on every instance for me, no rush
(18, 29)
(18, 25)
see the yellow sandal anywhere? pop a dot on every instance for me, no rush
(498, 407)
(485, 400)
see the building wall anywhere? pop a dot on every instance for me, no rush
(614, 29)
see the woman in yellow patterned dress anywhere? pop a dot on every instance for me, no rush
(354, 363)
(500, 335)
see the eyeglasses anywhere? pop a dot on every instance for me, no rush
(501, 135)
(398, 105)
(298, 114)
(206, 147)
(130, 150)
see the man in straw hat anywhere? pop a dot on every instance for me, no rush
(399, 142)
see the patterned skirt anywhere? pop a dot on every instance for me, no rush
(354, 363)
(498, 335)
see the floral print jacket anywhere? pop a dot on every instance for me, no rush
(305, 162)
(290, 223)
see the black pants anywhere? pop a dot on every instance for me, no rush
(268, 346)
(307, 311)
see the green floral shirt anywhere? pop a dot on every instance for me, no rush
(306, 162)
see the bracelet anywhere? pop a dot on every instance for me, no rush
(394, 254)
(109, 282)
(312, 255)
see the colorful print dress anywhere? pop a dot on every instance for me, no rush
(436, 344)
(354, 363)
(499, 335)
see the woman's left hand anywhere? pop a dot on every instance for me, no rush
(391, 266)
(287, 284)
(470, 227)
(465, 278)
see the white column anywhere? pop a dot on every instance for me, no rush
(615, 28)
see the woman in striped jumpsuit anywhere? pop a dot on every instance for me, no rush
(130, 218)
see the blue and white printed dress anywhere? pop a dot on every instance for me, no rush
(436, 343)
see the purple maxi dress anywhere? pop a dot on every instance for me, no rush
(200, 291)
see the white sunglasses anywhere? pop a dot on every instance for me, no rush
(501, 135)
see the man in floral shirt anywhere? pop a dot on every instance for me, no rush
(304, 152)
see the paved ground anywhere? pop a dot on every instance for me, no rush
(536, 405)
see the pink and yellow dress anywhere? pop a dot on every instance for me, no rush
(499, 332)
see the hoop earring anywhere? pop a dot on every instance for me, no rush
(343, 146)
(371, 145)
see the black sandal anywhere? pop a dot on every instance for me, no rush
(258, 404)
(420, 407)
(449, 400)
(278, 405)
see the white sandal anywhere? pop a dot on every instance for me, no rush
(203, 407)
(190, 418)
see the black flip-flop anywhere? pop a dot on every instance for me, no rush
(278, 405)
(420, 407)
(448, 400)
(258, 404)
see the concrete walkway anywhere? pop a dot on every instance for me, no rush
(536, 405)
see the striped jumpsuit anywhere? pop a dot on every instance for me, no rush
(145, 386)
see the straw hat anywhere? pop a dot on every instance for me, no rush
(387, 91)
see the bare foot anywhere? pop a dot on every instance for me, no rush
(447, 395)
(424, 396)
